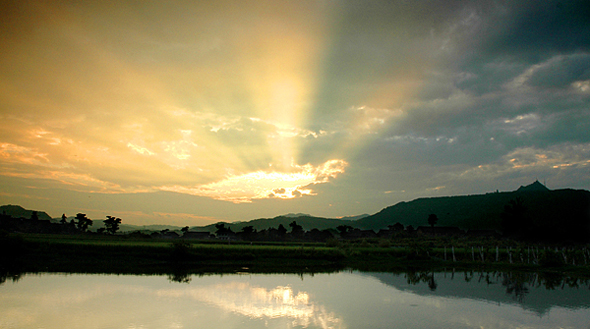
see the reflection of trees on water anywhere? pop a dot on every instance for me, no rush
(5, 275)
(517, 284)
(414, 278)
(180, 277)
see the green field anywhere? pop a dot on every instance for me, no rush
(118, 254)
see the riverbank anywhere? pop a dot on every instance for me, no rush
(91, 254)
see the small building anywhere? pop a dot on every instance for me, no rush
(169, 235)
(228, 236)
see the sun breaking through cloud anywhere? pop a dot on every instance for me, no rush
(266, 184)
(244, 101)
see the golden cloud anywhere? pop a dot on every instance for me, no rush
(266, 184)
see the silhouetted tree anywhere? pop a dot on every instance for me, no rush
(184, 229)
(64, 219)
(296, 229)
(432, 219)
(281, 231)
(319, 236)
(343, 229)
(247, 232)
(112, 224)
(221, 229)
(248, 229)
(34, 216)
(82, 222)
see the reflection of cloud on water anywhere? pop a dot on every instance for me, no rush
(262, 303)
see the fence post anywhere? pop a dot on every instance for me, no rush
(528, 254)
(453, 251)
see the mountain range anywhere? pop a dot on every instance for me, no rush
(16, 211)
(557, 211)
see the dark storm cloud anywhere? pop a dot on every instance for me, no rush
(511, 84)
(561, 71)
(535, 30)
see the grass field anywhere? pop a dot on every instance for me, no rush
(117, 254)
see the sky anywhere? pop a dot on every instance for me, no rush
(194, 112)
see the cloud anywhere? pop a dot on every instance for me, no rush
(261, 303)
(139, 149)
(225, 102)
(556, 161)
(561, 71)
(265, 184)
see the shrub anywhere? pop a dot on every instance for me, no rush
(550, 258)
(383, 243)
(180, 250)
(332, 243)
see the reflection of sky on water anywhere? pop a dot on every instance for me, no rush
(342, 300)
(262, 303)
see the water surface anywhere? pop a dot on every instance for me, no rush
(338, 300)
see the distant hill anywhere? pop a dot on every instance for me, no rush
(297, 215)
(307, 222)
(15, 211)
(551, 214)
(354, 217)
(559, 212)
(155, 227)
(534, 187)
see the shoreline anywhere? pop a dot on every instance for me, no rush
(25, 253)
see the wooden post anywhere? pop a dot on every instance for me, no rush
(453, 251)
(528, 253)
(497, 253)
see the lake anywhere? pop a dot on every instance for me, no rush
(346, 299)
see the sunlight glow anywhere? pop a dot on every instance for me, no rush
(262, 184)
(261, 303)
(223, 112)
